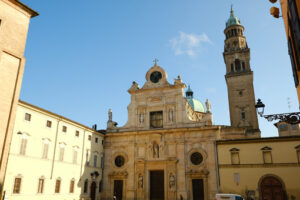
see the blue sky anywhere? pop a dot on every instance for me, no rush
(82, 57)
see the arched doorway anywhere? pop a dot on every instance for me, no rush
(271, 188)
(93, 190)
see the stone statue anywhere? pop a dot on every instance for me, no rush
(171, 180)
(155, 150)
(140, 181)
(171, 115)
(141, 118)
(110, 115)
(208, 106)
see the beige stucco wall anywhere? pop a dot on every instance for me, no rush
(31, 166)
(251, 169)
(13, 34)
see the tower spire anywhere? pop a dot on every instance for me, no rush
(239, 77)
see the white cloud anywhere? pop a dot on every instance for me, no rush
(188, 44)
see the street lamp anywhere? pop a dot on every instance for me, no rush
(260, 107)
(291, 118)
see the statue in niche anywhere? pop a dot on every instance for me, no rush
(155, 150)
(140, 181)
(171, 115)
(171, 180)
(208, 105)
(110, 115)
(141, 118)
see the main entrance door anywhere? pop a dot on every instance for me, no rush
(118, 189)
(198, 189)
(271, 189)
(157, 191)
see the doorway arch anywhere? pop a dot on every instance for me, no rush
(93, 190)
(271, 187)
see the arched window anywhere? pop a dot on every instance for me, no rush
(85, 187)
(72, 183)
(17, 184)
(235, 156)
(57, 185)
(235, 32)
(23, 143)
(243, 66)
(41, 185)
(232, 67)
(100, 186)
(46, 143)
(75, 153)
(87, 157)
(62, 147)
(95, 160)
(237, 64)
(267, 155)
(243, 115)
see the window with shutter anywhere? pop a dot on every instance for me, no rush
(45, 150)
(17, 186)
(57, 185)
(23, 146)
(41, 185)
(72, 183)
(61, 153)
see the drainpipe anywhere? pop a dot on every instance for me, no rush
(55, 142)
(217, 162)
(185, 167)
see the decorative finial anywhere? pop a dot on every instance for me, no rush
(231, 10)
(155, 61)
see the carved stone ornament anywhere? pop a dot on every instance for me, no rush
(140, 181)
(134, 86)
(171, 180)
(120, 173)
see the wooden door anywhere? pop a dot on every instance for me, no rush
(198, 189)
(157, 187)
(271, 189)
(118, 189)
(93, 190)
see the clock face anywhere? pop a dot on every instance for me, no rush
(155, 76)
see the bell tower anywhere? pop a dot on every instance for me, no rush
(239, 78)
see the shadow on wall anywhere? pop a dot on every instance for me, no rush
(90, 181)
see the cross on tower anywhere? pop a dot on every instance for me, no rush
(155, 61)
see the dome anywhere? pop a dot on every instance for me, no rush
(196, 105)
(233, 20)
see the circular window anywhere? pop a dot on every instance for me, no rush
(196, 158)
(155, 76)
(119, 161)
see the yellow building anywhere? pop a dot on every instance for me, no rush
(14, 22)
(261, 168)
(52, 157)
(290, 15)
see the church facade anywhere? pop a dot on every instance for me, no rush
(166, 150)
